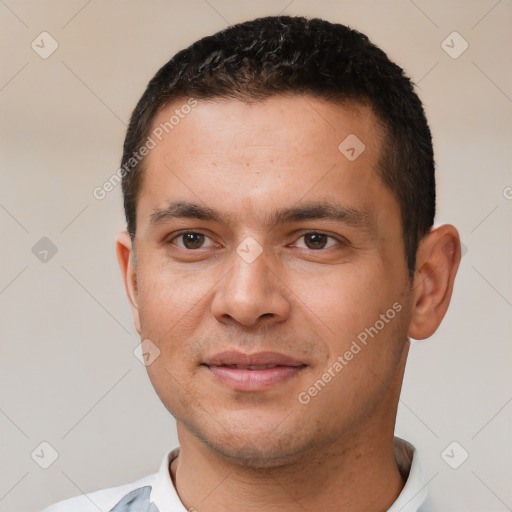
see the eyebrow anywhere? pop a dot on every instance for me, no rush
(307, 211)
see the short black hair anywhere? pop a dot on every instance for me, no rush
(283, 55)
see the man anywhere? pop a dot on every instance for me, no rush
(278, 182)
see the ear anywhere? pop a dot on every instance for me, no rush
(125, 257)
(437, 261)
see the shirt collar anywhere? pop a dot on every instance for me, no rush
(415, 490)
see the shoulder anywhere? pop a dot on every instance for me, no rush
(123, 498)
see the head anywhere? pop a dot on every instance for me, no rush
(281, 56)
(284, 202)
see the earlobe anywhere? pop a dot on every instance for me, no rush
(125, 257)
(437, 261)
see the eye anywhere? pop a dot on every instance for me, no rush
(192, 240)
(317, 241)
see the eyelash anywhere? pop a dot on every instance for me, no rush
(183, 233)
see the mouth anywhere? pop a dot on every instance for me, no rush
(252, 372)
(252, 366)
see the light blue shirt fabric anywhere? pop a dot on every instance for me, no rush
(156, 492)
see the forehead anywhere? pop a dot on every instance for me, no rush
(300, 120)
(251, 156)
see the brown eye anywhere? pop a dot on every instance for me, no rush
(193, 240)
(315, 240)
(190, 240)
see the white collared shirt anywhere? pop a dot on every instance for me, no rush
(156, 492)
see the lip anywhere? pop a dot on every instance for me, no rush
(258, 358)
(222, 368)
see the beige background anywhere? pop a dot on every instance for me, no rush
(68, 373)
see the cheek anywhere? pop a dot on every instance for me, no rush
(168, 295)
(345, 300)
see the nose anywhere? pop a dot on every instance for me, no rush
(250, 293)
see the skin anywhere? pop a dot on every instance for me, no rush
(265, 450)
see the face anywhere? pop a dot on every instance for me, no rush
(271, 275)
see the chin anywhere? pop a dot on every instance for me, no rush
(256, 446)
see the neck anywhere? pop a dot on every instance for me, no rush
(336, 478)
